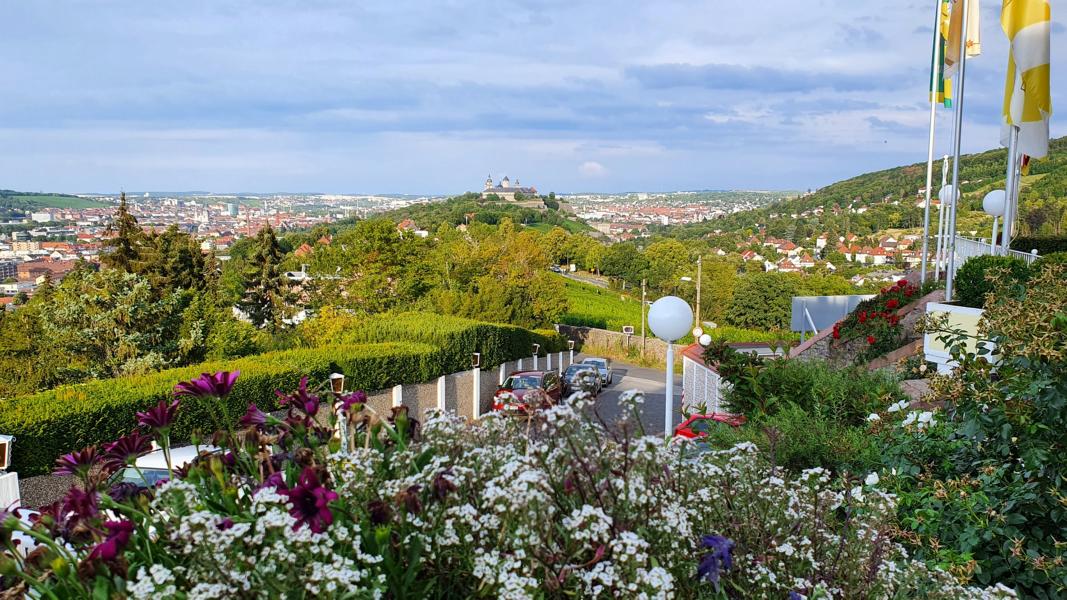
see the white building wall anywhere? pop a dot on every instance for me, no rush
(702, 387)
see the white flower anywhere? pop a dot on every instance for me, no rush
(897, 406)
(872, 479)
(873, 417)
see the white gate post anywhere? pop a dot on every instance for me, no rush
(398, 395)
(476, 385)
(441, 393)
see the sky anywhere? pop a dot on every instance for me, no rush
(430, 97)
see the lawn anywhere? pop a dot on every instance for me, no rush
(47, 201)
(570, 226)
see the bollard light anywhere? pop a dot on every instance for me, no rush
(476, 360)
(337, 382)
(570, 344)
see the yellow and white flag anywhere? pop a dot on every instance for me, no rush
(1027, 101)
(955, 30)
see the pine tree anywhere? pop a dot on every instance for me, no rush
(125, 247)
(266, 298)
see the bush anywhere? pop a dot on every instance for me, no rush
(797, 440)
(973, 282)
(51, 423)
(876, 322)
(1043, 244)
(1056, 258)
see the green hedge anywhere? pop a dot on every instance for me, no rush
(456, 337)
(51, 423)
(972, 284)
(1043, 244)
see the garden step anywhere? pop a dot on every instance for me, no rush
(916, 389)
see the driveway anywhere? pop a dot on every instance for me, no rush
(650, 381)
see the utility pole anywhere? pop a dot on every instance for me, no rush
(642, 318)
(700, 260)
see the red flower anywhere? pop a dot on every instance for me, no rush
(837, 334)
(870, 340)
(863, 317)
(893, 303)
(908, 293)
(902, 283)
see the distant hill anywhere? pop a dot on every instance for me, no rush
(470, 207)
(887, 199)
(29, 201)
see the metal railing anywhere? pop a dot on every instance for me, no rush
(968, 248)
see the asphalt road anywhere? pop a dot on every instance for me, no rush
(590, 280)
(650, 381)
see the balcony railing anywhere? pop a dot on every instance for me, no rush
(967, 248)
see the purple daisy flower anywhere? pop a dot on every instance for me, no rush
(208, 385)
(76, 463)
(118, 535)
(125, 450)
(310, 502)
(353, 399)
(159, 417)
(717, 561)
(253, 417)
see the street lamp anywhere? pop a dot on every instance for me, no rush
(337, 382)
(670, 319)
(536, 349)
(994, 204)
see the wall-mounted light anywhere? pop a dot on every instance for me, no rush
(476, 360)
(570, 344)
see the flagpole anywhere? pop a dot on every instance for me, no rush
(1011, 188)
(939, 255)
(930, 147)
(956, 135)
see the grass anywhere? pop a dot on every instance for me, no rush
(592, 306)
(47, 201)
(569, 225)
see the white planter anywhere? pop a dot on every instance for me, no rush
(959, 317)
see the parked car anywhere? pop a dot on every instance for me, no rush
(582, 378)
(524, 392)
(555, 269)
(152, 467)
(699, 426)
(604, 366)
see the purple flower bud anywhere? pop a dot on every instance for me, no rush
(125, 450)
(253, 417)
(76, 463)
(159, 417)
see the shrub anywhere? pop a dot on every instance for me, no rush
(982, 492)
(456, 511)
(875, 321)
(1043, 244)
(764, 387)
(1055, 258)
(973, 277)
(65, 418)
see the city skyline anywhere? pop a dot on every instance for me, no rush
(392, 98)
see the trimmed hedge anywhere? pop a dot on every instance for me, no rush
(1043, 244)
(972, 285)
(51, 423)
(456, 337)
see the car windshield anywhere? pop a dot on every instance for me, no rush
(576, 369)
(522, 382)
(150, 479)
(596, 362)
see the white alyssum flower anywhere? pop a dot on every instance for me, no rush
(873, 417)
(872, 479)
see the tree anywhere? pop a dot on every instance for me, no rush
(125, 245)
(266, 298)
(667, 261)
(625, 262)
(763, 301)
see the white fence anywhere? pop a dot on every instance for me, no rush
(967, 248)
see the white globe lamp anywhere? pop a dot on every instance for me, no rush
(994, 202)
(697, 332)
(705, 340)
(948, 195)
(670, 319)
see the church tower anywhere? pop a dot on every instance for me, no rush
(489, 181)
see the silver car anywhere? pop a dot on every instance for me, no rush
(603, 365)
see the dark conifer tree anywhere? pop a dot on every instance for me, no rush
(266, 298)
(125, 247)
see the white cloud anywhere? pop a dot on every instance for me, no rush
(592, 168)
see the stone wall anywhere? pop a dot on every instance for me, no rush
(654, 348)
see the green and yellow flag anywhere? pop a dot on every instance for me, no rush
(940, 87)
(1027, 100)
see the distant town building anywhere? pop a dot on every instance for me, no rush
(41, 217)
(8, 269)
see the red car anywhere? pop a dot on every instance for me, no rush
(698, 426)
(526, 391)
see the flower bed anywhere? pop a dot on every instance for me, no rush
(555, 506)
(876, 322)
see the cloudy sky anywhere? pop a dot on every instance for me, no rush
(430, 96)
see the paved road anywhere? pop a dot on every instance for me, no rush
(586, 279)
(650, 381)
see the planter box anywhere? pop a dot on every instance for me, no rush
(959, 317)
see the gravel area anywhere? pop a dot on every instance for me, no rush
(44, 489)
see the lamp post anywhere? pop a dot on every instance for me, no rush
(669, 318)
(536, 349)
(949, 196)
(993, 204)
(570, 348)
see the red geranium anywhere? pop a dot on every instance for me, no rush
(870, 340)
(902, 283)
(837, 334)
(893, 303)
